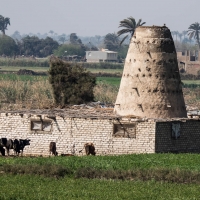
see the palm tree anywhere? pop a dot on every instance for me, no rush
(193, 32)
(176, 34)
(129, 25)
(180, 36)
(173, 33)
(4, 22)
(184, 33)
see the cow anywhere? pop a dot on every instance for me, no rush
(89, 149)
(52, 149)
(2, 150)
(18, 145)
(7, 143)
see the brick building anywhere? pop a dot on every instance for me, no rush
(111, 134)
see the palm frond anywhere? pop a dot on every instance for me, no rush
(122, 31)
(129, 25)
(132, 21)
(142, 23)
(126, 23)
(191, 34)
(123, 40)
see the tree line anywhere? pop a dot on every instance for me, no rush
(63, 45)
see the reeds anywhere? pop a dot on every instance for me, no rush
(24, 62)
(105, 93)
(17, 94)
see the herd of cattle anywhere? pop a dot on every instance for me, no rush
(18, 147)
(89, 149)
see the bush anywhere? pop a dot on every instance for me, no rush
(71, 84)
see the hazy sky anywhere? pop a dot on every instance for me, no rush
(95, 17)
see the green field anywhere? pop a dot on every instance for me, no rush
(124, 162)
(17, 68)
(191, 82)
(159, 176)
(35, 188)
(109, 80)
(110, 71)
(45, 69)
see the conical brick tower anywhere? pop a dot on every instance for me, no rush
(151, 85)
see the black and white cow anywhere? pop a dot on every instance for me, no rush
(18, 145)
(7, 143)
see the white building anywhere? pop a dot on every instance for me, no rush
(101, 56)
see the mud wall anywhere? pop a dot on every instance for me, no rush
(151, 85)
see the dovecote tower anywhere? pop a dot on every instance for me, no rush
(151, 85)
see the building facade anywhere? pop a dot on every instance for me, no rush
(101, 56)
(111, 135)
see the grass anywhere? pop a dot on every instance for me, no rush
(109, 80)
(189, 162)
(154, 176)
(17, 68)
(191, 82)
(34, 187)
(15, 77)
(111, 71)
(45, 69)
(26, 91)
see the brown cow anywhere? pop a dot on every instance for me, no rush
(89, 149)
(52, 149)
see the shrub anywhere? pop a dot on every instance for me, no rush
(71, 83)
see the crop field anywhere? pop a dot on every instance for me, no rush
(143, 176)
(31, 92)
(109, 80)
(45, 69)
(17, 68)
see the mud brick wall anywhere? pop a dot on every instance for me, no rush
(70, 135)
(151, 81)
(189, 140)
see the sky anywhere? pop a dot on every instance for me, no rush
(95, 17)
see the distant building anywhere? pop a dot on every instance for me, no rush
(189, 61)
(101, 56)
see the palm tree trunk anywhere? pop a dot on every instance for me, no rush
(3, 31)
(198, 39)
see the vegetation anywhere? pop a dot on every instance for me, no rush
(129, 25)
(140, 176)
(24, 92)
(4, 22)
(103, 65)
(23, 62)
(31, 92)
(35, 187)
(70, 49)
(193, 32)
(109, 80)
(37, 47)
(71, 84)
(111, 42)
(74, 39)
(7, 46)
